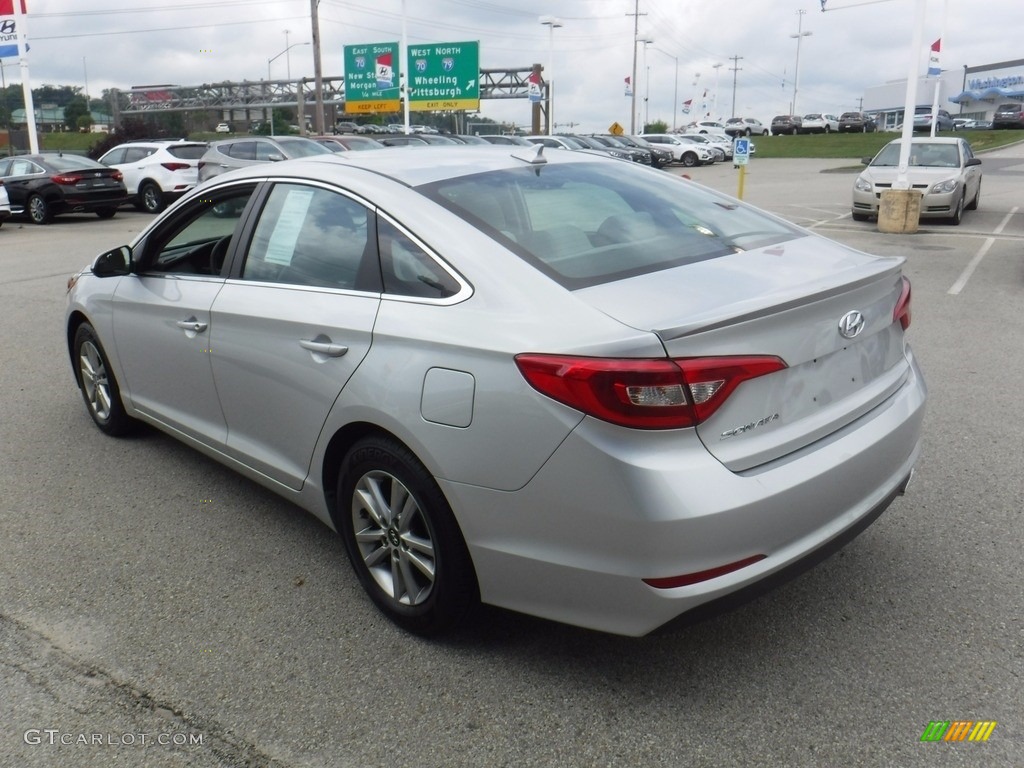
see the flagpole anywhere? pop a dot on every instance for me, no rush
(909, 105)
(938, 77)
(26, 83)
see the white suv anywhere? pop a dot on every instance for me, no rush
(684, 151)
(157, 172)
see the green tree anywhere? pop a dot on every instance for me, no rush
(658, 126)
(58, 95)
(76, 109)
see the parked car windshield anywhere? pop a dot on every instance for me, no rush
(921, 155)
(584, 224)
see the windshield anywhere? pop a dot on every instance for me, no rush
(921, 156)
(584, 224)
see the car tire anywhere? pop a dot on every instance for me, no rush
(973, 205)
(747, 132)
(828, 129)
(99, 387)
(106, 213)
(38, 210)
(151, 198)
(859, 216)
(402, 538)
(958, 213)
(689, 159)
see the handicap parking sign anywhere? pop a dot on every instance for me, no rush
(741, 151)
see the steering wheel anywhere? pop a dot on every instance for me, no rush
(218, 253)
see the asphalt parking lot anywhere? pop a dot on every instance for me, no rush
(157, 609)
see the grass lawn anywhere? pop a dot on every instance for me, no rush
(858, 145)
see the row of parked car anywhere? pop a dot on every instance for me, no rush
(151, 174)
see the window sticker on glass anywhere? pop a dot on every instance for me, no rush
(287, 227)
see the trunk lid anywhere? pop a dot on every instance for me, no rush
(786, 300)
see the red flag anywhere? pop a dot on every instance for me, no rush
(936, 46)
(7, 7)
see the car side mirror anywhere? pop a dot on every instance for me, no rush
(113, 263)
(973, 161)
(275, 157)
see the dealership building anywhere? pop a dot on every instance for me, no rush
(973, 93)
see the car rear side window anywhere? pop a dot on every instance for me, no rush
(311, 236)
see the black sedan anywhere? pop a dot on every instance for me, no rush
(42, 186)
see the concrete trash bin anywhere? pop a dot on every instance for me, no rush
(899, 211)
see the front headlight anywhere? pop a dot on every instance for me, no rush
(862, 185)
(944, 187)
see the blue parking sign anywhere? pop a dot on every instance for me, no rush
(741, 151)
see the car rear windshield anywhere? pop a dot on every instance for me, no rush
(584, 224)
(188, 151)
(72, 163)
(303, 147)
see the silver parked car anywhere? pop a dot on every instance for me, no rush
(229, 154)
(550, 381)
(944, 169)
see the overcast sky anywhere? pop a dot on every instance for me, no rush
(854, 45)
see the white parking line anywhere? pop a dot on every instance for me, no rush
(969, 269)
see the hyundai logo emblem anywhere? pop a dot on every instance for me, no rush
(851, 324)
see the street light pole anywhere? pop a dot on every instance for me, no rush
(675, 91)
(271, 60)
(800, 34)
(714, 99)
(551, 23)
(647, 83)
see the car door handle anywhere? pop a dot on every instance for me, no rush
(192, 325)
(327, 348)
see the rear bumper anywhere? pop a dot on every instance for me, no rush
(613, 507)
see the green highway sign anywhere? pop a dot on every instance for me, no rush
(444, 76)
(372, 78)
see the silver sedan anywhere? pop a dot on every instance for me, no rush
(548, 381)
(945, 170)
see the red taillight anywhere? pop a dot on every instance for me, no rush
(643, 394)
(686, 579)
(902, 311)
(117, 176)
(65, 179)
(176, 166)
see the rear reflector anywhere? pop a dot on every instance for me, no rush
(176, 166)
(642, 393)
(687, 579)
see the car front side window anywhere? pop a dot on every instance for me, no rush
(198, 239)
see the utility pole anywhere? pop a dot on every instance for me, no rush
(632, 82)
(318, 113)
(735, 68)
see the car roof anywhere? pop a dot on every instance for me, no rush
(426, 165)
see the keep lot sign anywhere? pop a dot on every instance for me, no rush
(372, 78)
(444, 76)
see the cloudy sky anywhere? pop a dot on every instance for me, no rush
(854, 45)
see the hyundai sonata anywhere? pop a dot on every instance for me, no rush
(549, 381)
